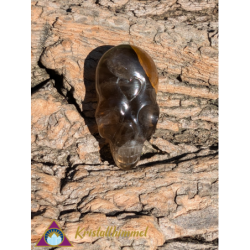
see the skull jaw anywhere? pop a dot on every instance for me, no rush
(126, 156)
(125, 166)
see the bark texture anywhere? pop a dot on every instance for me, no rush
(174, 189)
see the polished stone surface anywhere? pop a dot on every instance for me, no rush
(127, 111)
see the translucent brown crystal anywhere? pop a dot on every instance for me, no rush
(127, 111)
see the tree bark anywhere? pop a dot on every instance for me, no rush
(174, 188)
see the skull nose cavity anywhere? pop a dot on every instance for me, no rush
(130, 88)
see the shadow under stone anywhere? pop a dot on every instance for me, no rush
(90, 66)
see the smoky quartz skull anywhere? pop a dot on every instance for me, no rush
(127, 111)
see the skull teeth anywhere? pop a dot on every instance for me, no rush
(129, 154)
(129, 151)
(127, 159)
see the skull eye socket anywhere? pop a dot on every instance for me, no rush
(109, 116)
(107, 120)
(130, 88)
(148, 117)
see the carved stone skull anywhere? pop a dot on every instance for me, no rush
(127, 112)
